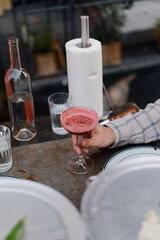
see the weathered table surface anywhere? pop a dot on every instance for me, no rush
(44, 159)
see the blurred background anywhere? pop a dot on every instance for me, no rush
(128, 30)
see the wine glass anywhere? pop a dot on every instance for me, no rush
(79, 121)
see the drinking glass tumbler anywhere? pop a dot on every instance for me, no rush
(58, 102)
(5, 149)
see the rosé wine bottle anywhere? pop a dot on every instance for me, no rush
(19, 96)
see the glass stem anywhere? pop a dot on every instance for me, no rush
(80, 158)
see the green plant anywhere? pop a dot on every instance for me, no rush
(108, 27)
(42, 40)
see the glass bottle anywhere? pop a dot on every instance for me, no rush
(19, 96)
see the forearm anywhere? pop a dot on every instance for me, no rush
(141, 127)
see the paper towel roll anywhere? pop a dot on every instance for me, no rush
(84, 70)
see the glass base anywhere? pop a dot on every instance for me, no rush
(80, 164)
(5, 167)
(24, 134)
(59, 130)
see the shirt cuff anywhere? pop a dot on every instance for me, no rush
(122, 131)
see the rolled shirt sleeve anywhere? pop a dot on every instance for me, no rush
(141, 127)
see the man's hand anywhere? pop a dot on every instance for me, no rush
(100, 137)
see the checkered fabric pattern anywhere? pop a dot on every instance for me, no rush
(141, 127)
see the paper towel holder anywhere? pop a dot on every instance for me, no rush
(85, 43)
(84, 31)
(81, 46)
(107, 105)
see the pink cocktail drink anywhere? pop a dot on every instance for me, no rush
(78, 120)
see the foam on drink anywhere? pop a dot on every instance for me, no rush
(79, 120)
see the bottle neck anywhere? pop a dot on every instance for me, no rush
(14, 52)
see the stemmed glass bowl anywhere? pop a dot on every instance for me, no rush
(79, 121)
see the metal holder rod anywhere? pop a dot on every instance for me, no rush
(84, 31)
(85, 44)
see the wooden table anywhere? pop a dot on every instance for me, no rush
(44, 159)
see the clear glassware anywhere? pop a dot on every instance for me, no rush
(79, 121)
(19, 96)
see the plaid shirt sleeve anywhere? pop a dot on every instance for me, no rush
(141, 127)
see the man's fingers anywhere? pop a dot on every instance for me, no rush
(75, 145)
(85, 150)
(81, 149)
(85, 143)
(77, 149)
(88, 143)
(74, 140)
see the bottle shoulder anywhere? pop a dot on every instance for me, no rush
(17, 70)
(16, 73)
